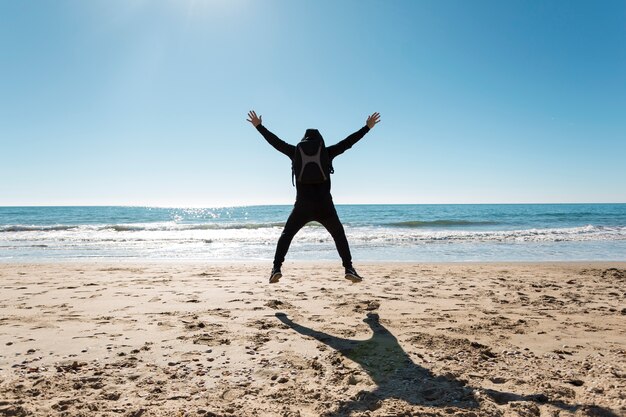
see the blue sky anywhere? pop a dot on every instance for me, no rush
(144, 102)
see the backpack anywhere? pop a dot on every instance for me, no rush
(311, 162)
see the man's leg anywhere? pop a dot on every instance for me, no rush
(296, 221)
(330, 220)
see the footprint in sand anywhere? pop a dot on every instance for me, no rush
(277, 304)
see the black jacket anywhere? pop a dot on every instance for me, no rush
(309, 192)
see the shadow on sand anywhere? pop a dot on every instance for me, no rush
(397, 376)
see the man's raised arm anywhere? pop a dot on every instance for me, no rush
(344, 145)
(279, 144)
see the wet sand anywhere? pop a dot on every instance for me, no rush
(190, 339)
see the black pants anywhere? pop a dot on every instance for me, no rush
(320, 211)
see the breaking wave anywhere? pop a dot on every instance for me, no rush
(155, 227)
(441, 223)
(584, 233)
(23, 228)
(255, 233)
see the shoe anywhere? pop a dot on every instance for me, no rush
(352, 275)
(275, 275)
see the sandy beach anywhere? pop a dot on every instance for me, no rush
(189, 339)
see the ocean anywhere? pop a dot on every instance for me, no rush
(416, 233)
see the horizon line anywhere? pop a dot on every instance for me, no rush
(291, 204)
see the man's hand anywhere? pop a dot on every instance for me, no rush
(255, 120)
(372, 120)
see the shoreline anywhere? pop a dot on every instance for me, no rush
(299, 262)
(207, 338)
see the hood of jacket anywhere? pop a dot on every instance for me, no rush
(312, 135)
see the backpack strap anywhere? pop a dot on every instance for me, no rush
(306, 158)
(311, 159)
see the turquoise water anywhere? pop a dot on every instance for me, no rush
(485, 232)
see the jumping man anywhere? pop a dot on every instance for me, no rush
(312, 165)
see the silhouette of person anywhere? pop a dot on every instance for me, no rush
(313, 200)
(390, 368)
(395, 375)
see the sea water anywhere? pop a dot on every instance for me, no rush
(420, 233)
